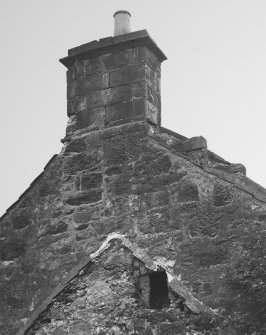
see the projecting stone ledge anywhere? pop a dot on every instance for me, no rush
(110, 44)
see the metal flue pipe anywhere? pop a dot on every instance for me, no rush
(122, 22)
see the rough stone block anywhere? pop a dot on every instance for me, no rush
(115, 153)
(77, 145)
(98, 227)
(83, 161)
(152, 113)
(262, 217)
(124, 58)
(172, 328)
(59, 331)
(106, 80)
(113, 170)
(86, 214)
(211, 255)
(222, 195)
(85, 234)
(159, 219)
(88, 181)
(12, 248)
(152, 60)
(81, 226)
(55, 228)
(154, 97)
(21, 219)
(120, 149)
(195, 143)
(127, 74)
(125, 112)
(79, 68)
(92, 66)
(156, 199)
(120, 185)
(154, 79)
(115, 94)
(152, 164)
(84, 86)
(71, 74)
(86, 197)
(112, 224)
(188, 191)
(93, 119)
(76, 104)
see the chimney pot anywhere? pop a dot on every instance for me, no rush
(122, 22)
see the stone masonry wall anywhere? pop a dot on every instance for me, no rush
(119, 171)
(113, 89)
(208, 231)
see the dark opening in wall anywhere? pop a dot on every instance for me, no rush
(158, 290)
(153, 289)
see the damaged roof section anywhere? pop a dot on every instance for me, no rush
(47, 314)
(195, 150)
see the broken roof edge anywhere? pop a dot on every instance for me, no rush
(237, 179)
(109, 44)
(195, 305)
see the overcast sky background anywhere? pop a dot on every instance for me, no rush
(213, 83)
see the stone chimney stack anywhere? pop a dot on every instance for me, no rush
(113, 81)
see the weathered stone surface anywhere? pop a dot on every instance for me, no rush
(154, 80)
(113, 170)
(152, 60)
(88, 67)
(94, 298)
(21, 219)
(87, 181)
(93, 119)
(195, 143)
(13, 247)
(86, 214)
(152, 113)
(127, 74)
(84, 86)
(192, 212)
(85, 234)
(188, 191)
(91, 181)
(71, 75)
(154, 98)
(54, 228)
(125, 112)
(82, 161)
(85, 197)
(116, 94)
(222, 195)
(76, 104)
(77, 145)
(124, 58)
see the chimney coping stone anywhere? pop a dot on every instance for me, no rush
(109, 44)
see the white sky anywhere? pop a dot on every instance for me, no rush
(213, 83)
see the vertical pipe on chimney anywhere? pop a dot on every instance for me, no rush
(122, 22)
